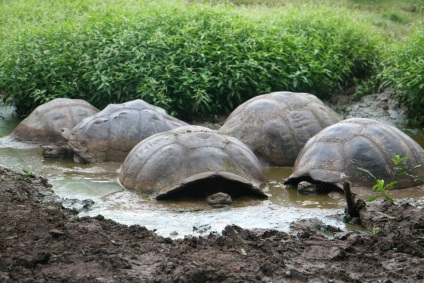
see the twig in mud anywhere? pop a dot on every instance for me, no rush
(350, 201)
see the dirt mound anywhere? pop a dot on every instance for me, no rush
(41, 241)
(383, 107)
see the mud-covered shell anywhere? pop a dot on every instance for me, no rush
(192, 160)
(277, 125)
(336, 154)
(45, 123)
(113, 132)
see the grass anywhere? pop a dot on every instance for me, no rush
(393, 19)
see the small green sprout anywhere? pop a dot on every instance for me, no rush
(27, 172)
(400, 168)
(381, 188)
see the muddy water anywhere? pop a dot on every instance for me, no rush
(169, 218)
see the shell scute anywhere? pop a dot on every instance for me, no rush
(160, 174)
(212, 160)
(45, 123)
(277, 125)
(120, 134)
(98, 139)
(339, 134)
(243, 158)
(355, 145)
(113, 132)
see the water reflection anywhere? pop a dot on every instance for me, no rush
(8, 120)
(415, 133)
(287, 196)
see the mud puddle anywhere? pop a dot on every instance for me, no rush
(42, 242)
(175, 219)
(99, 183)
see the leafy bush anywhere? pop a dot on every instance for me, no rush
(404, 73)
(190, 59)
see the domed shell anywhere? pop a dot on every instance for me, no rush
(277, 125)
(45, 123)
(192, 160)
(336, 154)
(113, 132)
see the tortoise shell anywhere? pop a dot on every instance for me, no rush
(340, 153)
(45, 123)
(195, 161)
(113, 132)
(277, 125)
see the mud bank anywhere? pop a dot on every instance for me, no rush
(41, 241)
(383, 107)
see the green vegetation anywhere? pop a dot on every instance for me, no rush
(189, 59)
(374, 231)
(195, 57)
(404, 73)
(400, 169)
(391, 18)
(380, 188)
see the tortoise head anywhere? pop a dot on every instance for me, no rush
(56, 151)
(76, 146)
(219, 200)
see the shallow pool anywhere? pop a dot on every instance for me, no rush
(99, 182)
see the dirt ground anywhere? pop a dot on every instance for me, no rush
(40, 241)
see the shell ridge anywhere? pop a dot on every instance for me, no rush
(400, 139)
(381, 150)
(366, 143)
(45, 123)
(317, 117)
(293, 135)
(234, 163)
(146, 157)
(166, 164)
(126, 125)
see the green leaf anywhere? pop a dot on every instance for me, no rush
(391, 184)
(373, 198)
(389, 198)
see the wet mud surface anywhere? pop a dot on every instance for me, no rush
(41, 241)
(383, 107)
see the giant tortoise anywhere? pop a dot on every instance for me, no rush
(355, 150)
(44, 125)
(192, 161)
(277, 125)
(113, 132)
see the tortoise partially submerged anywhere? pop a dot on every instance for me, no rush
(44, 125)
(353, 149)
(277, 125)
(113, 132)
(192, 161)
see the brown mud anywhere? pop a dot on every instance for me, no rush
(383, 107)
(41, 241)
